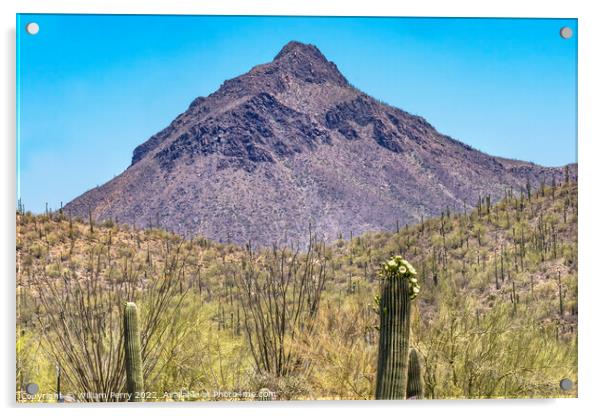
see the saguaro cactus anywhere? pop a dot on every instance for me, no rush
(133, 357)
(399, 287)
(415, 388)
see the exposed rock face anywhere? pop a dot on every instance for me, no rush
(291, 143)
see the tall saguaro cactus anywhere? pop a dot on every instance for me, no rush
(415, 388)
(133, 357)
(399, 287)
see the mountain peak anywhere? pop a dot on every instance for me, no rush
(292, 142)
(307, 62)
(296, 47)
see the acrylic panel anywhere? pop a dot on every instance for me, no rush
(273, 208)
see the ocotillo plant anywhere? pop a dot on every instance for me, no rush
(133, 357)
(415, 388)
(399, 287)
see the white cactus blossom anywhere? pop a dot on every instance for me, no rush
(397, 267)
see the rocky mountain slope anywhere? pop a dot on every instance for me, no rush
(292, 143)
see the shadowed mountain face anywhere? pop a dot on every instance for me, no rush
(291, 143)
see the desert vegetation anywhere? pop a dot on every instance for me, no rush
(495, 313)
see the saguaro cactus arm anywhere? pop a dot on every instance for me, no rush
(133, 357)
(415, 381)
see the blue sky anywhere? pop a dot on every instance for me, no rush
(91, 88)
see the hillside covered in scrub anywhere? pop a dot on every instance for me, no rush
(496, 315)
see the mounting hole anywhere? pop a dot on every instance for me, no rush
(32, 28)
(566, 384)
(31, 388)
(566, 32)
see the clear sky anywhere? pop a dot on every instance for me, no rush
(92, 88)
